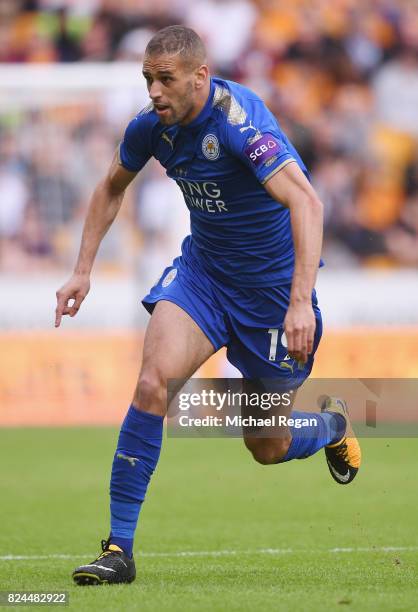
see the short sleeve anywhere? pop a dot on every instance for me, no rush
(134, 150)
(259, 143)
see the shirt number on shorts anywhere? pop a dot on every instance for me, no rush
(273, 343)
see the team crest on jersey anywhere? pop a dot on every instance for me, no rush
(169, 277)
(210, 147)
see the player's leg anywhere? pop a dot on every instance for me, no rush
(267, 445)
(186, 327)
(301, 435)
(309, 433)
(330, 429)
(261, 353)
(174, 347)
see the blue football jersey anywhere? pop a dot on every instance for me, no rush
(220, 161)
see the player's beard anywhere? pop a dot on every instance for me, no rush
(182, 110)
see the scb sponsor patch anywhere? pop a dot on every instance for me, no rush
(262, 149)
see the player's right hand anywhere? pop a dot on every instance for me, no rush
(74, 290)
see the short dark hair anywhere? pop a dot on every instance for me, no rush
(178, 40)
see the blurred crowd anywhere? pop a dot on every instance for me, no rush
(341, 76)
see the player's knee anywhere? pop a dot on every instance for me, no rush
(268, 451)
(150, 393)
(283, 447)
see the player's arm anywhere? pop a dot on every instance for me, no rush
(290, 187)
(103, 208)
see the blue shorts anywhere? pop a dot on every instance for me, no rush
(248, 321)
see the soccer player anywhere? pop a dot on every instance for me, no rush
(245, 278)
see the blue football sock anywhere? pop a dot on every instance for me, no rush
(307, 440)
(135, 460)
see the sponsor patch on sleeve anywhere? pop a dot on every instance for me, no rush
(263, 149)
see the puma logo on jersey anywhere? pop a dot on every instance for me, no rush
(248, 127)
(167, 138)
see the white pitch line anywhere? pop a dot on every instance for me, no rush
(223, 553)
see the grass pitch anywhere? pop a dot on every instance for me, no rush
(218, 531)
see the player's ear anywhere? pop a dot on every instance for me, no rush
(201, 76)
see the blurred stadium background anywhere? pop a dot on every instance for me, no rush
(341, 76)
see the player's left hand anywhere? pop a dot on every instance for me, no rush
(299, 327)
